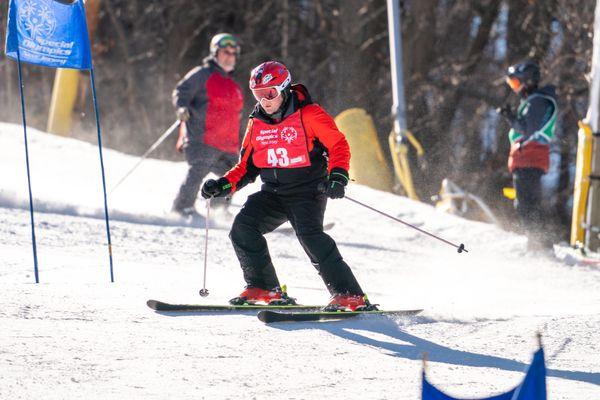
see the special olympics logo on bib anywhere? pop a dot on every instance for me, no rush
(36, 18)
(289, 134)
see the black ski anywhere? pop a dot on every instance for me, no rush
(269, 316)
(161, 306)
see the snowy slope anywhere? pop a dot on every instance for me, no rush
(76, 335)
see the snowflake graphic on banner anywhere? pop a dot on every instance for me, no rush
(36, 18)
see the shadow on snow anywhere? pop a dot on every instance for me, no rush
(417, 346)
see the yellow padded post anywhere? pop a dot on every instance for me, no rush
(64, 94)
(367, 165)
(582, 181)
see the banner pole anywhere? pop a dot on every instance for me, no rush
(93, 83)
(23, 115)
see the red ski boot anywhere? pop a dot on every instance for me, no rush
(254, 295)
(349, 302)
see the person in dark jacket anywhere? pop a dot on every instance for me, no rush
(302, 159)
(532, 129)
(209, 104)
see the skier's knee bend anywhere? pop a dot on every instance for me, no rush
(305, 231)
(319, 247)
(237, 232)
(241, 231)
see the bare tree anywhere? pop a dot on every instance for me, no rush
(456, 54)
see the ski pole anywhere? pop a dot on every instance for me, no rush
(204, 290)
(460, 247)
(161, 139)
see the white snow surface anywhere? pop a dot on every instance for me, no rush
(76, 335)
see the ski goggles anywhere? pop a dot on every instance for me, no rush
(270, 93)
(514, 83)
(228, 42)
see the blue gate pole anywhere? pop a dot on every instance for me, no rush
(35, 259)
(93, 82)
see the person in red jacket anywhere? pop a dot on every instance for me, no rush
(302, 159)
(209, 104)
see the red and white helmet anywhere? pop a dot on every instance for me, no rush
(269, 79)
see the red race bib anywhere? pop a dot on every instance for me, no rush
(282, 145)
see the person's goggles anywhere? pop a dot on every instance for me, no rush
(514, 83)
(269, 93)
(227, 42)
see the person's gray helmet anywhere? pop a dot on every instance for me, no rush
(223, 40)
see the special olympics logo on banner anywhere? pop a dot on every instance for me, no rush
(36, 18)
(289, 134)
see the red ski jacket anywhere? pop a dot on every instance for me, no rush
(215, 103)
(324, 144)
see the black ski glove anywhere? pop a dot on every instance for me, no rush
(507, 112)
(216, 188)
(336, 183)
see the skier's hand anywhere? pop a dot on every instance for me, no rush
(181, 139)
(336, 183)
(183, 114)
(507, 112)
(216, 188)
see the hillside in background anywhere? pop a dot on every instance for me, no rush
(75, 335)
(455, 57)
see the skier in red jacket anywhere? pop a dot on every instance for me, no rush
(302, 159)
(209, 104)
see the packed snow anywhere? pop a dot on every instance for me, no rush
(77, 335)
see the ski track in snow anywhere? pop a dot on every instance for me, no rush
(76, 335)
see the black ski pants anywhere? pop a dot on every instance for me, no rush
(201, 159)
(265, 211)
(528, 203)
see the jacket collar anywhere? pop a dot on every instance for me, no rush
(212, 63)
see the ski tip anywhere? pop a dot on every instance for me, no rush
(270, 316)
(263, 316)
(152, 304)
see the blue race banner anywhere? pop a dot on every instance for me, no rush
(51, 33)
(533, 386)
